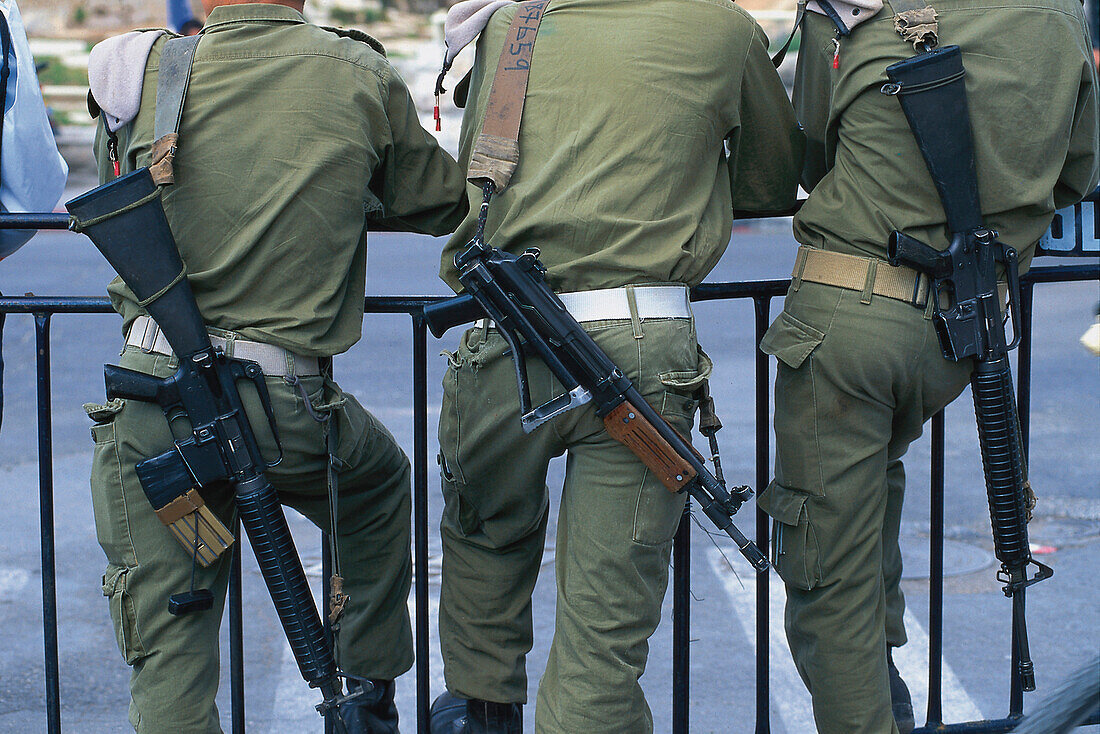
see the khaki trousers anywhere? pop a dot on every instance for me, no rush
(614, 533)
(856, 383)
(175, 659)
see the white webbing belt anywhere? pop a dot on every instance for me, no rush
(274, 361)
(653, 302)
(605, 304)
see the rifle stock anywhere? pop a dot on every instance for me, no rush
(126, 222)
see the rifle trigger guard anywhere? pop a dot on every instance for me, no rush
(1012, 274)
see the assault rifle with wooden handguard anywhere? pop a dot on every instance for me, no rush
(513, 292)
(930, 88)
(126, 222)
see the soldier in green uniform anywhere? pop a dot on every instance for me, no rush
(860, 368)
(294, 141)
(646, 124)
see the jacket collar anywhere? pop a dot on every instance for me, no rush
(252, 12)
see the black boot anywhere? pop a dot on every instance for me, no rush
(900, 701)
(454, 715)
(373, 710)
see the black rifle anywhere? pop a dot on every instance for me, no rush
(512, 291)
(126, 222)
(930, 89)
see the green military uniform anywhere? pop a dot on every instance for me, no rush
(293, 141)
(622, 180)
(859, 374)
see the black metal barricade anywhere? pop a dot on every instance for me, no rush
(761, 293)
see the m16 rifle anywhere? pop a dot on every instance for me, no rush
(126, 222)
(513, 292)
(930, 88)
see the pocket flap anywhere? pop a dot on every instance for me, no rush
(689, 381)
(103, 413)
(783, 504)
(790, 340)
(114, 580)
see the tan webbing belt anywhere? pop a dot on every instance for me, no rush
(868, 275)
(496, 152)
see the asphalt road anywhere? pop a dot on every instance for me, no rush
(1064, 613)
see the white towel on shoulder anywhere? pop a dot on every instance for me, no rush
(116, 73)
(465, 20)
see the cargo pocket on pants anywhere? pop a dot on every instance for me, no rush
(123, 614)
(790, 340)
(681, 388)
(796, 553)
(108, 496)
(658, 511)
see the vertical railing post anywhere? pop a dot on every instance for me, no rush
(326, 591)
(236, 636)
(681, 624)
(45, 508)
(1023, 411)
(762, 307)
(420, 517)
(935, 577)
(1023, 365)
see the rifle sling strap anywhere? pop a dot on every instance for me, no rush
(496, 151)
(172, 81)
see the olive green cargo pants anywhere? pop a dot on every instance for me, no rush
(856, 383)
(614, 533)
(175, 659)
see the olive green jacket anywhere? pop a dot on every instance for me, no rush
(623, 173)
(294, 141)
(1032, 92)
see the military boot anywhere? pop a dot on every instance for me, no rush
(373, 710)
(453, 715)
(900, 701)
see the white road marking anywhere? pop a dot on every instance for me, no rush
(789, 696)
(912, 662)
(12, 581)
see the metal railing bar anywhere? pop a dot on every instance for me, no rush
(413, 304)
(744, 289)
(55, 304)
(761, 308)
(420, 520)
(988, 726)
(681, 624)
(1023, 412)
(1062, 273)
(34, 220)
(935, 575)
(46, 529)
(236, 636)
(326, 591)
